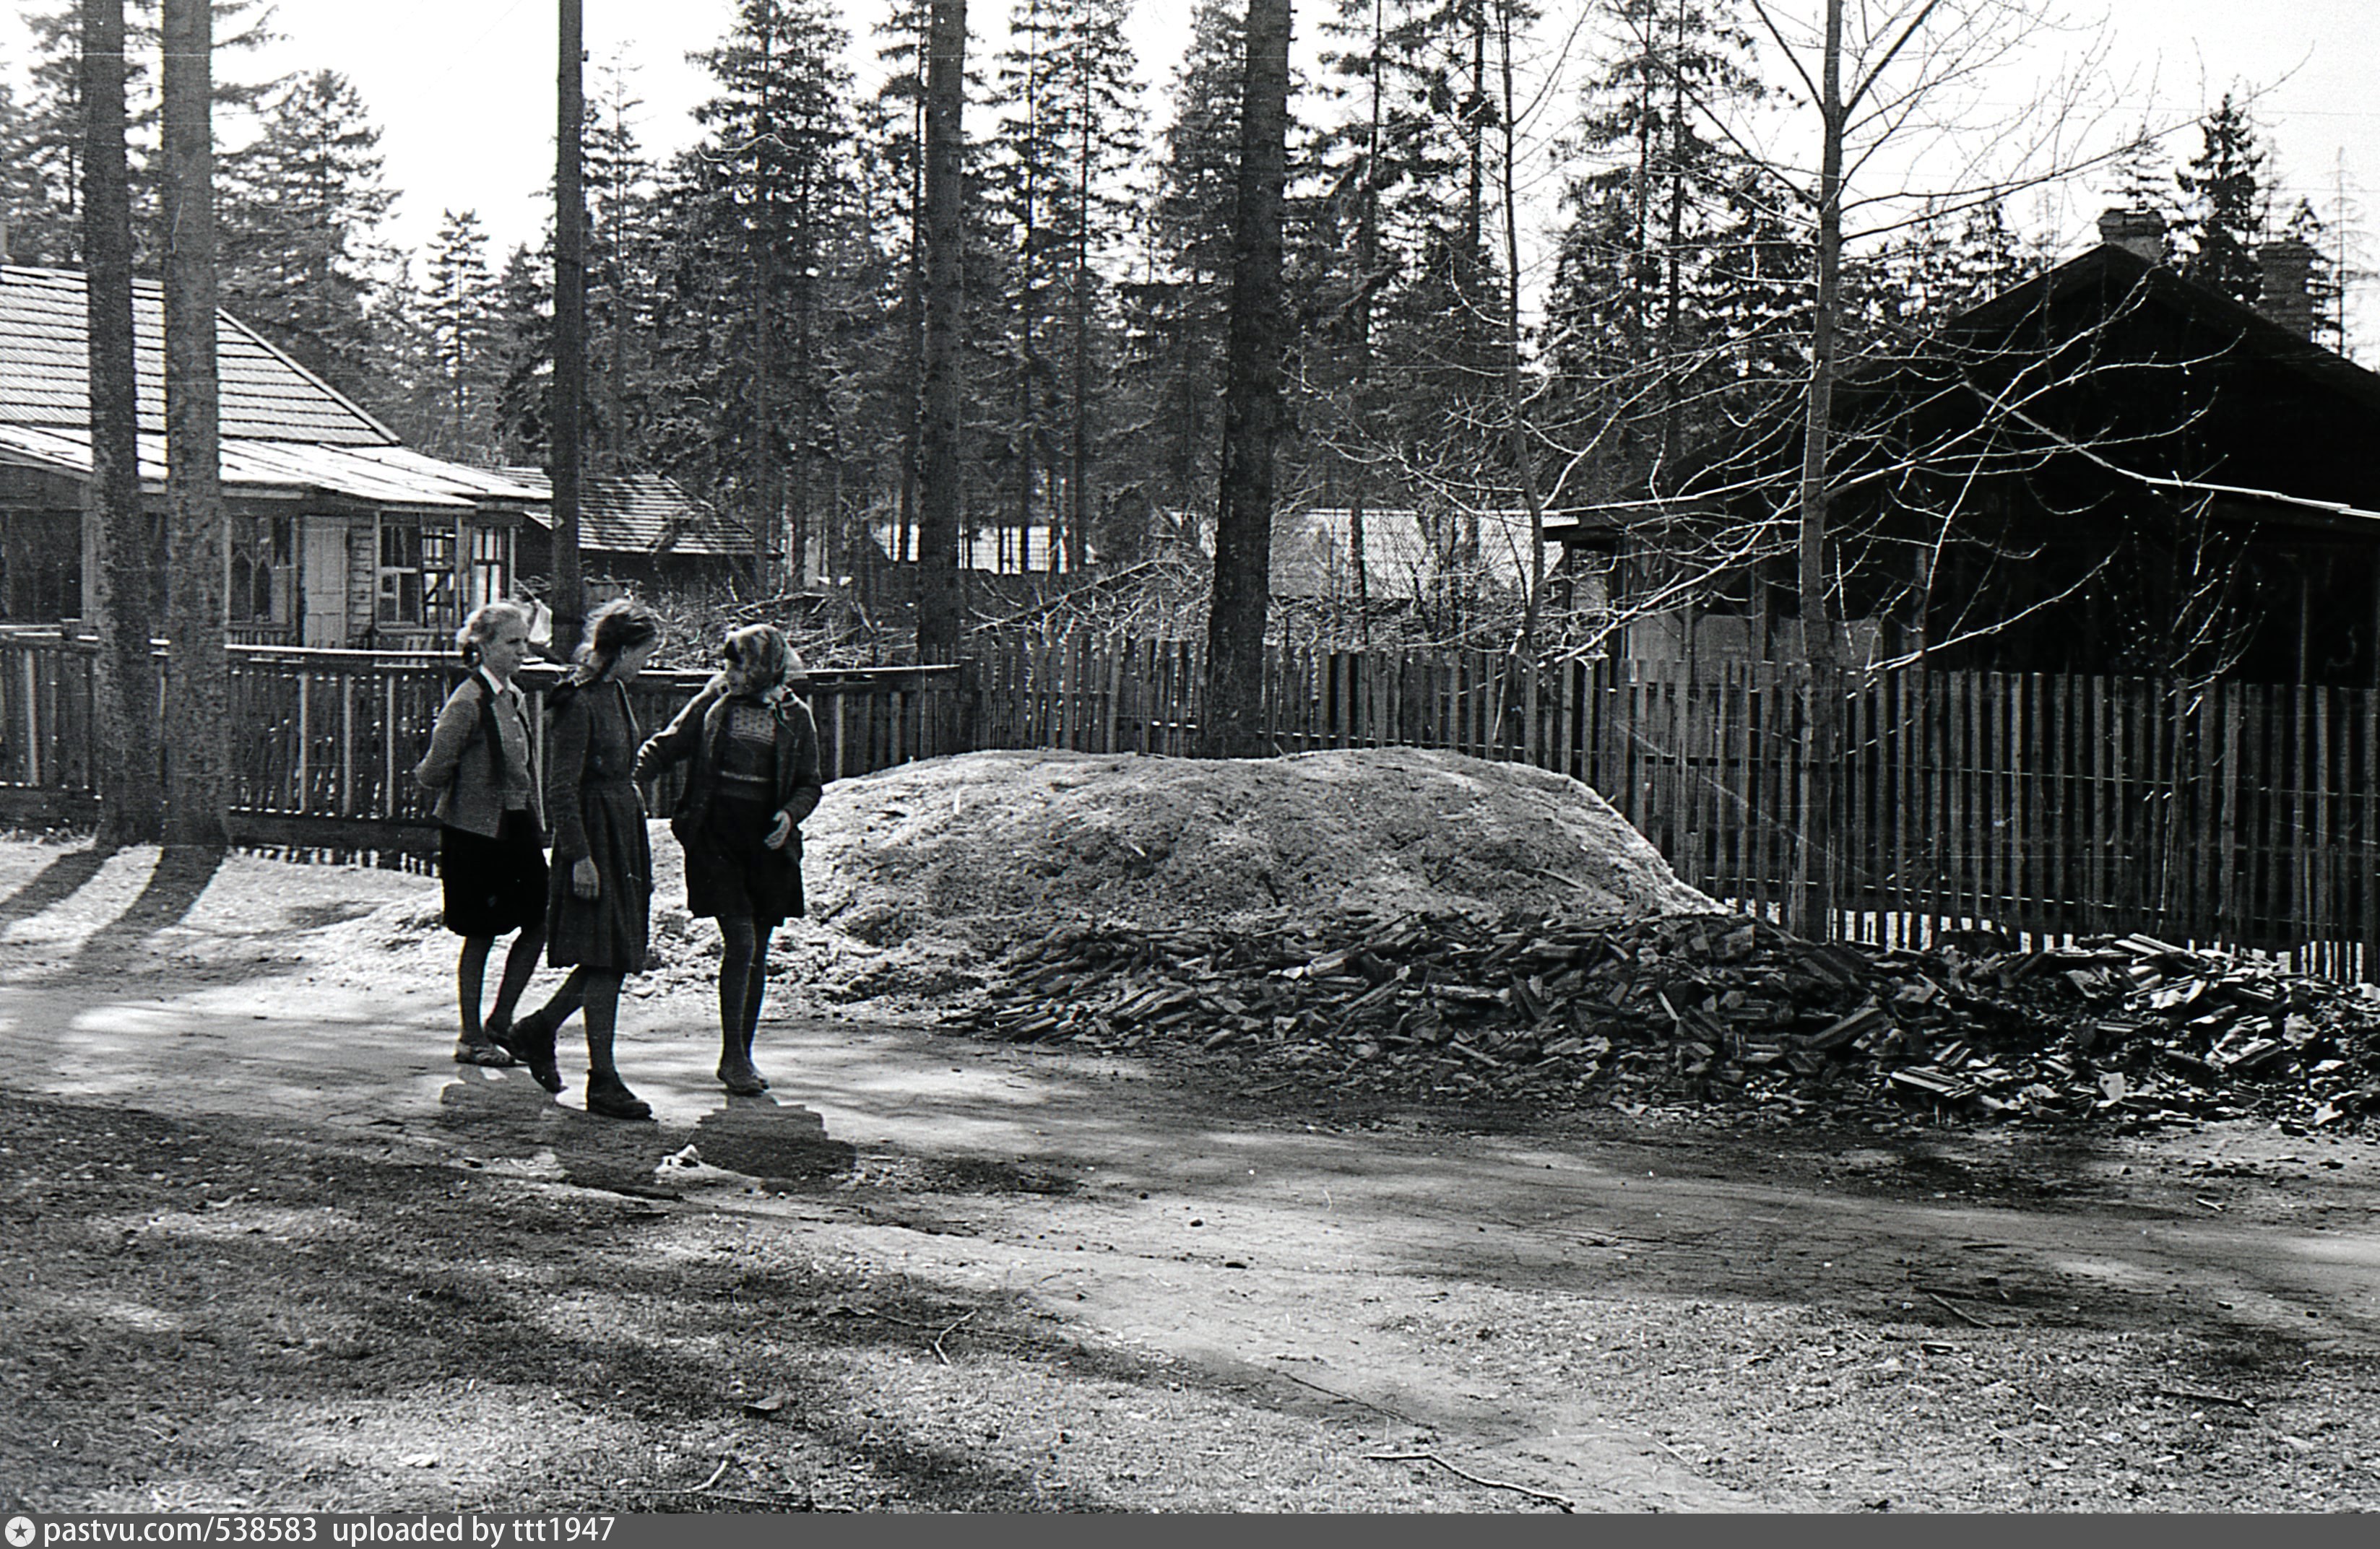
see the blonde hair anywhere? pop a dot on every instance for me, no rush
(481, 626)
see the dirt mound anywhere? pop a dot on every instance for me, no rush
(991, 848)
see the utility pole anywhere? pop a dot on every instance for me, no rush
(569, 601)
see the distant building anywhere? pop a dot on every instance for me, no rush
(340, 534)
(2104, 469)
(638, 528)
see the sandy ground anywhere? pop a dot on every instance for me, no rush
(1616, 1313)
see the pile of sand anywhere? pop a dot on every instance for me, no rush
(919, 875)
(991, 848)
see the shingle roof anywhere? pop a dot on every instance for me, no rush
(640, 513)
(45, 368)
(390, 475)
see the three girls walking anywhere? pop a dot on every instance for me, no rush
(754, 776)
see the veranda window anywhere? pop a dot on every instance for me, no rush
(417, 576)
(263, 569)
(491, 575)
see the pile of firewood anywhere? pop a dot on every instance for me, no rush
(1706, 1006)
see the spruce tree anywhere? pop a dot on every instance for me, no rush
(1177, 302)
(1068, 127)
(298, 255)
(456, 316)
(753, 330)
(2226, 204)
(1662, 275)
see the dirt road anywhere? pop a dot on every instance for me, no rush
(1611, 1313)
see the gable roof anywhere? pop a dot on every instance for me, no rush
(638, 514)
(286, 433)
(2110, 270)
(45, 368)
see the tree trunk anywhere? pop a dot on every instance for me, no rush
(1236, 619)
(938, 509)
(1813, 893)
(197, 699)
(1525, 469)
(132, 808)
(569, 600)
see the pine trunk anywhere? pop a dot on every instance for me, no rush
(937, 508)
(197, 699)
(568, 419)
(1235, 621)
(131, 796)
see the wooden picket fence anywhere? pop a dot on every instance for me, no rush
(2046, 806)
(2042, 805)
(326, 739)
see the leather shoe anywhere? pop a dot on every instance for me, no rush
(530, 1041)
(615, 1101)
(481, 1050)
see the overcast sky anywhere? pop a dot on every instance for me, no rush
(464, 90)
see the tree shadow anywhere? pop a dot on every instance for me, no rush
(53, 884)
(183, 872)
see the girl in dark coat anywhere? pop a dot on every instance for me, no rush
(490, 836)
(753, 777)
(602, 884)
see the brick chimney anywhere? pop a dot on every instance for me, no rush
(2286, 291)
(2140, 232)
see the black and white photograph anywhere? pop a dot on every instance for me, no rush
(1376, 757)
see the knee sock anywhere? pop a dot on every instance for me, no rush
(602, 1004)
(735, 956)
(470, 974)
(519, 964)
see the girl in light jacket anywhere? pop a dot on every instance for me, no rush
(490, 831)
(753, 776)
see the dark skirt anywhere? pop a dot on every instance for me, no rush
(731, 872)
(492, 887)
(606, 932)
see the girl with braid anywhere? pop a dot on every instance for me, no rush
(600, 897)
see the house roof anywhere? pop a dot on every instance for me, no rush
(44, 370)
(2113, 267)
(388, 476)
(286, 433)
(1313, 551)
(638, 514)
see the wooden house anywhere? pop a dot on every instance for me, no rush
(2106, 469)
(640, 530)
(340, 535)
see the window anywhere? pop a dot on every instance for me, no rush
(263, 568)
(417, 576)
(400, 575)
(490, 576)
